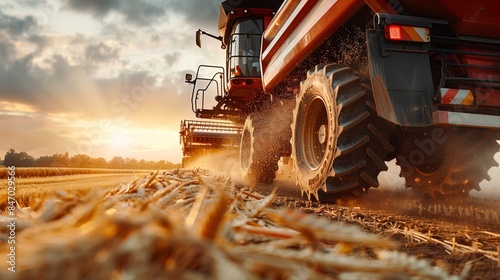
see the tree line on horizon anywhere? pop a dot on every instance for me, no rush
(22, 159)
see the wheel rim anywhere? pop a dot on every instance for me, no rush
(245, 149)
(432, 164)
(315, 132)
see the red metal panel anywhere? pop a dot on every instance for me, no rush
(488, 97)
(476, 17)
(467, 17)
(380, 6)
(244, 88)
(283, 34)
(313, 21)
(281, 17)
(310, 25)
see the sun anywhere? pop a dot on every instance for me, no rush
(121, 142)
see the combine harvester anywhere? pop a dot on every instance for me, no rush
(342, 86)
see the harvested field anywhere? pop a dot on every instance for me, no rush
(30, 188)
(190, 224)
(31, 172)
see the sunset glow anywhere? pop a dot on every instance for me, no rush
(98, 78)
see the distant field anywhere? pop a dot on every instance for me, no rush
(57, 179)
(27, 172)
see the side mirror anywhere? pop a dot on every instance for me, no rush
(198, 38)
(189, 78)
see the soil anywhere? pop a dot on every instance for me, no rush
(460, 236)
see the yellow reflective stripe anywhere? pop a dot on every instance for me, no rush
(469, 99)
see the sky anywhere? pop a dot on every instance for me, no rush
(100, 77)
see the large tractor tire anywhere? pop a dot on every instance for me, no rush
(258, 151)
(447, 162)
(339, 145)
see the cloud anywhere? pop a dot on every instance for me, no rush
(7, 50)
(172, 58)
(16, 82)
(16, 25)
(155, 39)
(98, 8)
(147, 100)
(135, 12)
(142, 13)
(56, 134)
(118, 32)
(150, 12)
(101, 53)
(64, 85)
(48, 134)
(198, 13)
(5, 6)
(30, 3)
(40, 41)
(78, 38)
(59, 88)
(128, 71)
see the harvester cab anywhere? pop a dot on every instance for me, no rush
(237, 87)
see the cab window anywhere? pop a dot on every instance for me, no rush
(244, 48)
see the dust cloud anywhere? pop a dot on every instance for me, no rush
(222, 163)
(225, 163)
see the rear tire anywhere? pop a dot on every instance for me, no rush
(339, 145)
(450, 168)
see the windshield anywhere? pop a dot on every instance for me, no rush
(244, 48)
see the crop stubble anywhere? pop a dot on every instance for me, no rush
(190, 224)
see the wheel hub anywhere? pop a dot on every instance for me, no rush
(245, 150)
(322, 134)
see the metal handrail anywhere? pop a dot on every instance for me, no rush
(200, 92)
(447, 65)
